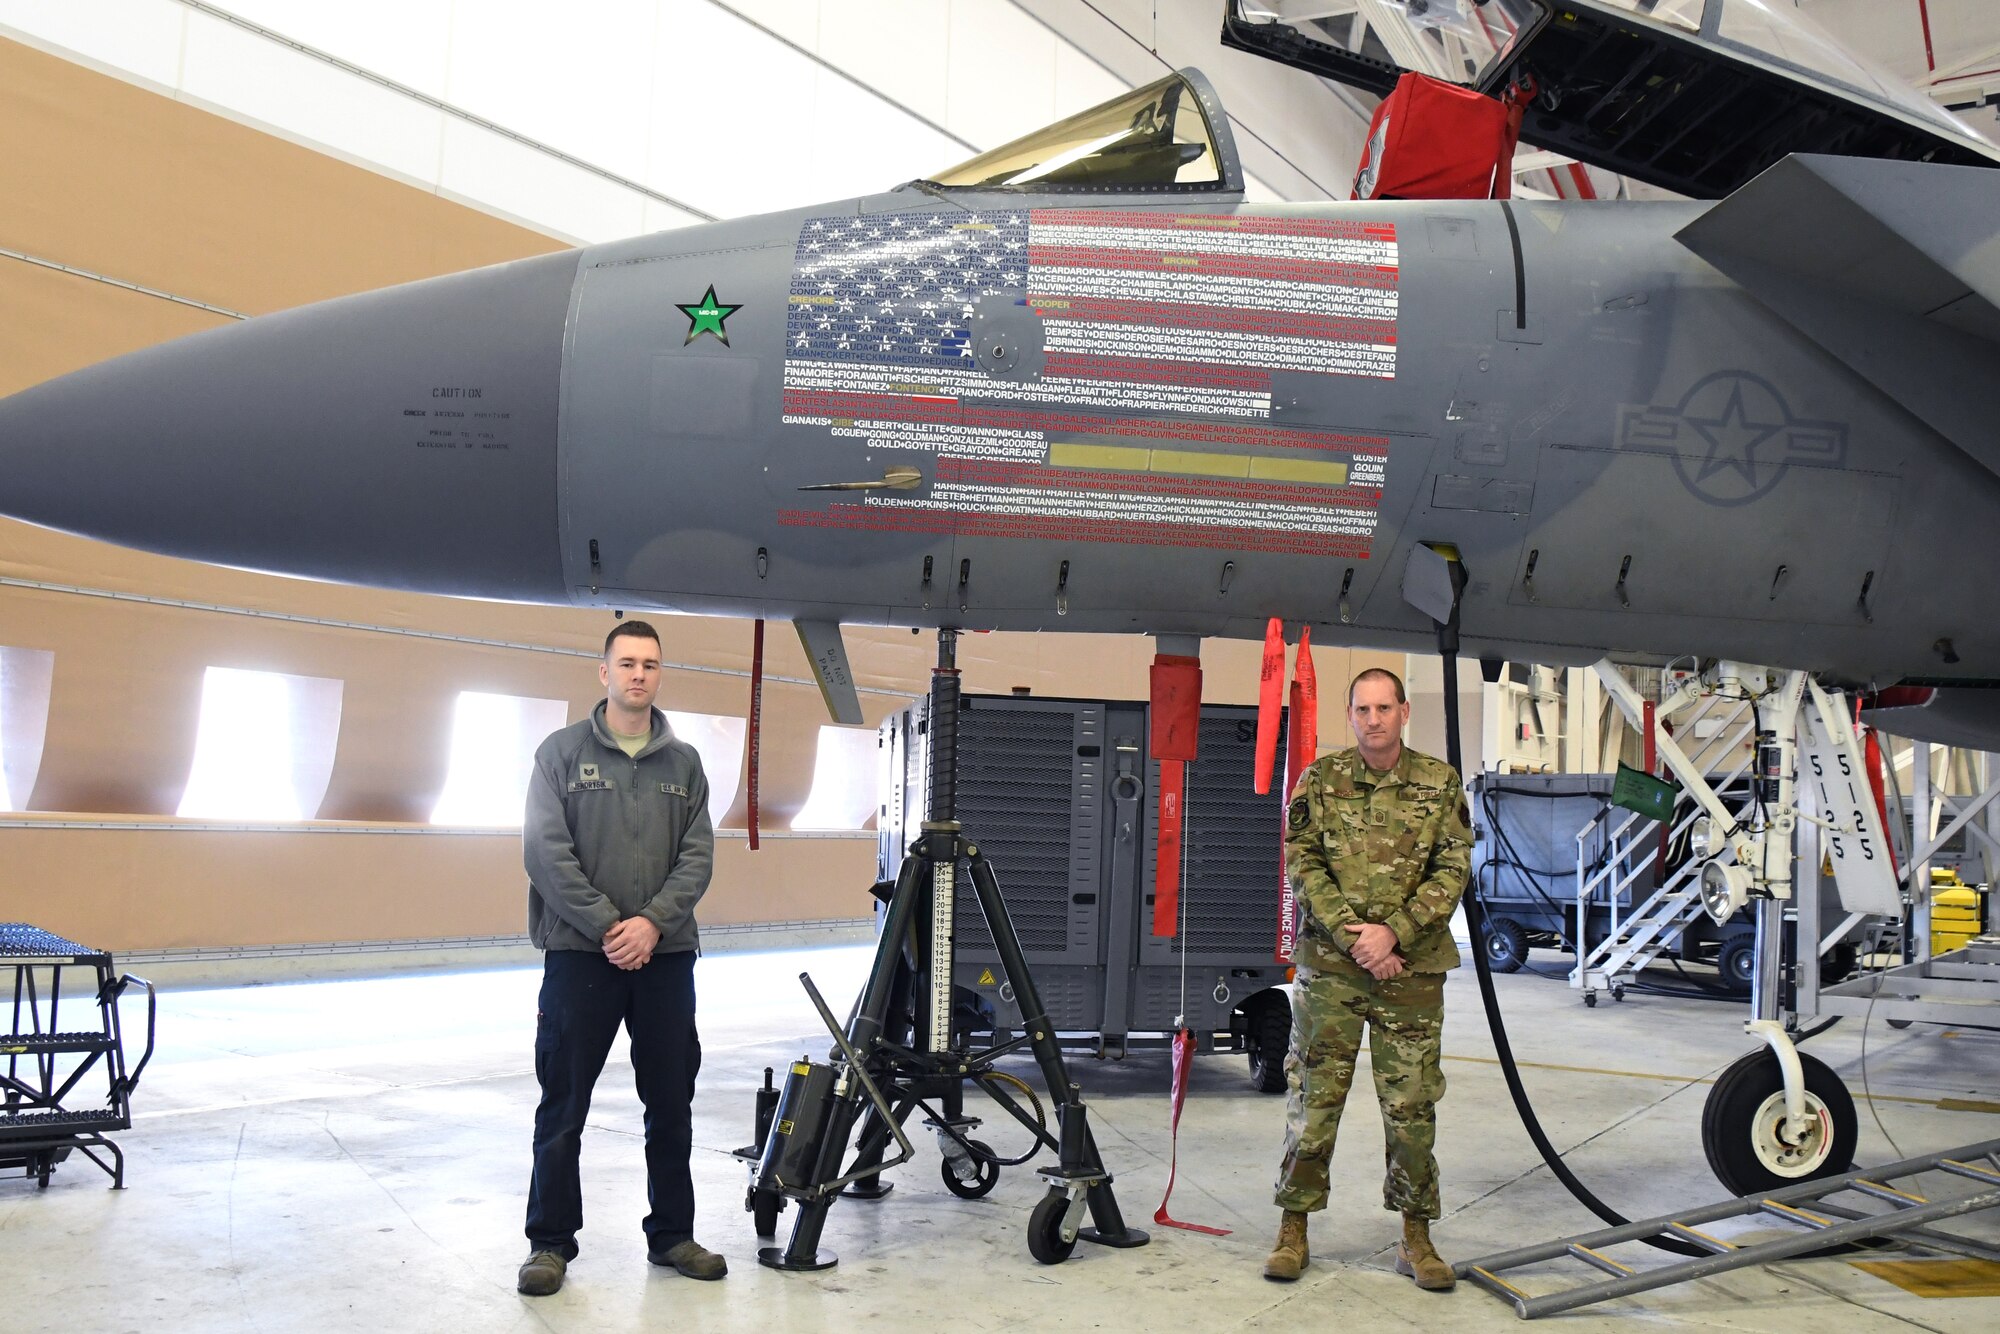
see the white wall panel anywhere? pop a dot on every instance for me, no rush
(227, 66)
(869, 144)
(733, 128)
(513, 179)
(1081, 82)
(581, 82)
(139, 37)
(1002, 70)
(898, 47)
(794, 20)
(407, 41)
(658, 217)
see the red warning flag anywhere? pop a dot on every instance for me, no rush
(1183, 1063)
(756, 729)
(1167, 854)
(1303, 731)
(1301, 746)
(1270, 696)
(1174, 733)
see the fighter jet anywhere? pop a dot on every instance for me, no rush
(1078, 383)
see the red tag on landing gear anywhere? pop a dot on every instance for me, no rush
(1183, 1062)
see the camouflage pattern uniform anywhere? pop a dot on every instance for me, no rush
(1393, 849)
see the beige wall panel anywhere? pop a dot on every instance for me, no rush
(126, 889)
(106, 176)
(57, 323)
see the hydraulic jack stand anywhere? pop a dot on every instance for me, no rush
(900, 1049)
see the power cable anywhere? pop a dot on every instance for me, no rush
(1476, 920)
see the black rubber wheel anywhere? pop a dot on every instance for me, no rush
(1589, 1000)
(1506, 945)
(1270, 1039)
(1739, 1126)
(1736, 961)
(765, 1206)
(989, 1173)
(1045, 1238)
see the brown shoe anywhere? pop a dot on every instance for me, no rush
(692, 1259)
(1289, 1257)
(1416, 1257)
(541, 1275)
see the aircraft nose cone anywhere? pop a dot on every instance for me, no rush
(403, 439)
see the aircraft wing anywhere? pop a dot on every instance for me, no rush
(1893, 267)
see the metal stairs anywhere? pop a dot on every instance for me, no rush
(1637, 936)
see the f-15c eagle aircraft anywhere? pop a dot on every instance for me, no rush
(1077, 383)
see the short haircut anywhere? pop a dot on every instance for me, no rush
(1377, 674)
(629, 630)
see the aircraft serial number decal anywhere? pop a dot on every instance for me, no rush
(1156, 336)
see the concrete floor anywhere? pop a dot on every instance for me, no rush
(353, 1155)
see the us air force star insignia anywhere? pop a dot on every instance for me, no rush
(706, 316)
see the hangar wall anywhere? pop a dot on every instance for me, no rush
(132, 216)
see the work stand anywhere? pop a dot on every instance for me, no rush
(41, 1122)
(901, 1052)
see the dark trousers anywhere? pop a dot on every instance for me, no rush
(584, 999)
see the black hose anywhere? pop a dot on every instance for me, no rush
(1476, 919)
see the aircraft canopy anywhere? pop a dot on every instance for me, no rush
(1162, 137)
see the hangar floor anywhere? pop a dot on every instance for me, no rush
(353, 1156)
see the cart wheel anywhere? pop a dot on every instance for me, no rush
(1736, 960)
(988, 1173)
(1745, 1111)
(1590, 1000)
(765, 1205)
(1270, 1040)
(1618, 991)
(1506, 945)
(1045, 1238)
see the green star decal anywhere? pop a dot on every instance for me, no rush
(706, 316)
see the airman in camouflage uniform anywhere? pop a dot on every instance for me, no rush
(1378, 849)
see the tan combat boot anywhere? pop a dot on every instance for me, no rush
(1289, 1256)
(1416, 1257)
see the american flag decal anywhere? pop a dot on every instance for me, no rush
(1147, 422)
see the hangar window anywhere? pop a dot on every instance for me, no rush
(1153, 137)
(845, 781)
(493, 741)
(719, 741)
(263, 749)
(24, 720)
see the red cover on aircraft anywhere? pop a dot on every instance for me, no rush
(1436, 140)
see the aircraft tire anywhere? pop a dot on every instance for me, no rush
(1739, 1126)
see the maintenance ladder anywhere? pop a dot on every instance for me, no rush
(1823, 1226)
(48, 1051)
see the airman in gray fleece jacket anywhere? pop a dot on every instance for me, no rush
(610, 836)
(618, 846)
